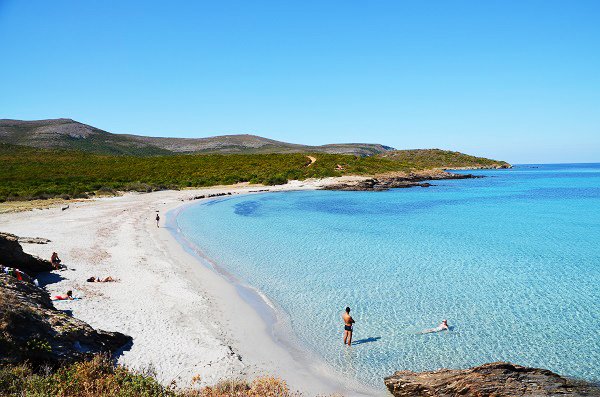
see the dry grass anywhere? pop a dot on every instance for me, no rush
(100, 378)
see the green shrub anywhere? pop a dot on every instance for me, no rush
(275, 180)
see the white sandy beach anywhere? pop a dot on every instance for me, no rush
(185, 318)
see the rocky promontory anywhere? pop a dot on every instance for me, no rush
(499, 379)
(31, 328)
(12, 255)
(395, 181)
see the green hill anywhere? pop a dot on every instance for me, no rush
(444, 159)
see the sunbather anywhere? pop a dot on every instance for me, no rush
(108, 279)
(68, 296)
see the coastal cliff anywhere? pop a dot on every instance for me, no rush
(499, 379)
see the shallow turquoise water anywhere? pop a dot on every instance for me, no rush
(511, 260)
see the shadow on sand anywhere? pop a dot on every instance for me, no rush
(48, 278)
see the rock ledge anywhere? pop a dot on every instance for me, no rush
(497, 379)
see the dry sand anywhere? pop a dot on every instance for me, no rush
(185, 318)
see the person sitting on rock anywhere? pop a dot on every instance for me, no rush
(68, 296)
(55, 261)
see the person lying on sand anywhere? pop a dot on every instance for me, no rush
(67, 297)
(442, 327)
(108, 279)
(55, 260)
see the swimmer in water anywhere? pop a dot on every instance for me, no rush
(442, 327)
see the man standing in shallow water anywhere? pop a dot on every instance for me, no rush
(348, 323)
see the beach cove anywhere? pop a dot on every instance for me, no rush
(188, 320)
(185, 319)
(511, 260)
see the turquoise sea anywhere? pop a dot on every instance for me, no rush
(512, 261)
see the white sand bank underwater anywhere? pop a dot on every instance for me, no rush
(185, 319)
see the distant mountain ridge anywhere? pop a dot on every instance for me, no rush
(70, 134)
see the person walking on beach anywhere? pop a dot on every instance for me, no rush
(157, 220)
(348, 324)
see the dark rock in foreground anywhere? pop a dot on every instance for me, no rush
(12, 255)
(494, 380)
(32, 330)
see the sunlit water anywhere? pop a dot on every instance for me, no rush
(511, 260)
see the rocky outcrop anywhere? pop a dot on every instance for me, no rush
(494, 380)
(32, 330)
(34, 240)
(386, 182)
(12, 255)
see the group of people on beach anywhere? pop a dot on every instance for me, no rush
(349, 327)
(56, 265)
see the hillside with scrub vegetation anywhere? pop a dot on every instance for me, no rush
(437, 158)
(32, 173)
(73, 135)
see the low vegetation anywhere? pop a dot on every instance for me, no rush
(30, 173)
(100, 378)
(437, 158)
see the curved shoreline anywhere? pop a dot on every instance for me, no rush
(277, 320)
(185, 319)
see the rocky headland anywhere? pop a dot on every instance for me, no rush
(12, 255)
(396, 181)
(499, 379)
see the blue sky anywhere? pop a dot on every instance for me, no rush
(519, 80)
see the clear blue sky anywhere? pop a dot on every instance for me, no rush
(515, 80)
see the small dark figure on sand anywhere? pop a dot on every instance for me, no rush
(157, 220)
(55, 260)
(348, 323)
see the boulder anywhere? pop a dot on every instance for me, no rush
(32, 330)
(12, 255)
(497, 379)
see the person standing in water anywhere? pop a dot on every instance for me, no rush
(157, 220)
(348, 324)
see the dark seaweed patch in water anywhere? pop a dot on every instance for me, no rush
(247, 208)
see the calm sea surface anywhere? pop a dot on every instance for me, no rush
(511, 260)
